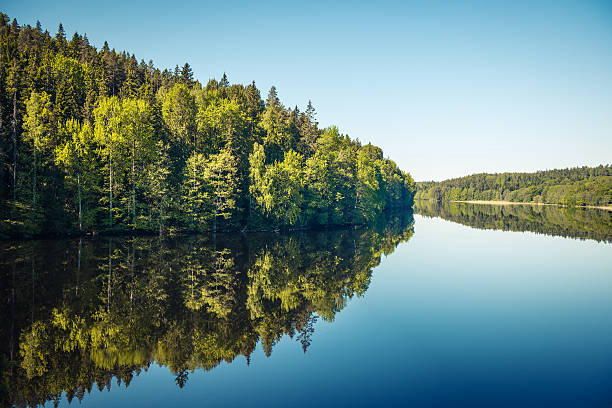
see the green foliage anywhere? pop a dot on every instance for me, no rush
(93, 140)
(179, 113)
(39, 131)
(210, 189)
(157, 188)
(573, 187)
(279, 187)
(77, 158)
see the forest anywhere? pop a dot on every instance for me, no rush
(91, 313)
(95, 140)
(580, 186)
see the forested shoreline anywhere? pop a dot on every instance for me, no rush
(94, 140)
(580, 186)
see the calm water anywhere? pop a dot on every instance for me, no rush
(457, 305)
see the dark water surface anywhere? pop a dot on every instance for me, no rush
(454, 306)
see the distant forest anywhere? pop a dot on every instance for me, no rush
(574, 187)
(95, 140)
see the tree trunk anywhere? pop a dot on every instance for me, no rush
(110, 187)
(161, 216)
(12, 302)
(14, 137)
(133, 183)
(76, 289)
(131, 262)
(215, 220)
(110, 269)
(80, 207)
(33, 279)
(34, 181)
(216, 205)
(1, 109)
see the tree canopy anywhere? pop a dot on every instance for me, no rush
(94, 140)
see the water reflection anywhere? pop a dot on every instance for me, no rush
(550, 220)
(82, 314)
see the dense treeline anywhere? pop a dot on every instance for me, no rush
(574, 187)
(95, 140)
(569, 222)
(85, 313)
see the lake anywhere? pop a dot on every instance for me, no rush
(454, 305)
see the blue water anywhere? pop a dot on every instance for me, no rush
(455, 317)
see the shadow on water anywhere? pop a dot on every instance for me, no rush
(82, 313)
(582, 223)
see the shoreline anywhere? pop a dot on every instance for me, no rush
(177, 233)
(596, 207)
(172, 233)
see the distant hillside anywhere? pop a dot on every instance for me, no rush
(575, 187)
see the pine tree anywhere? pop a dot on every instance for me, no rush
(60, 39)
(224, 83)
(61, 34)
(187, 74)
(272, 97)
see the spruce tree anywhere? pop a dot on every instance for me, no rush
(224, 83)
(187, 74)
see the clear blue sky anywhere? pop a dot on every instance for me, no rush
(446, 89)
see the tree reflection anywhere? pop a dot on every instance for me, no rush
(90, 312)
(579, 223)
